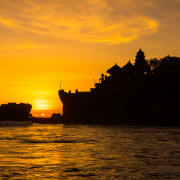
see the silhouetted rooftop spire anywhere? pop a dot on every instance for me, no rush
(128, 68)
(114, 69)
(140, 54)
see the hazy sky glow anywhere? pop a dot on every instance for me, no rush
(44, 42)
(85, 20)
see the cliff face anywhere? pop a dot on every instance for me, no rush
(76, 105)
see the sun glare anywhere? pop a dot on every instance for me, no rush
(41, 104)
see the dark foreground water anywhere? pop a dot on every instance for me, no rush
(34, 151)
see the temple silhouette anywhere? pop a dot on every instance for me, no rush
(147, 92)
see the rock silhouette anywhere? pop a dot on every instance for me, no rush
(147, 92)
(15, 112)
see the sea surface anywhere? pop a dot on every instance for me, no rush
(46, 151)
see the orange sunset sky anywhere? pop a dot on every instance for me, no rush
(44, 42)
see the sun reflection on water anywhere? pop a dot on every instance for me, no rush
(54, 151)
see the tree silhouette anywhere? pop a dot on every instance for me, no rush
(154, 63)
(169, 68)
(102, 78)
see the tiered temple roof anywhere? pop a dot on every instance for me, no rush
(114, 70)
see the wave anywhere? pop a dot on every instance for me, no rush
(46, 141)
(55, 141)
(15, 123)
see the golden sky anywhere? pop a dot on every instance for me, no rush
(44, 42)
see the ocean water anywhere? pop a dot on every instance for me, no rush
(45, 151)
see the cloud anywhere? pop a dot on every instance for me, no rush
(101, 21)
